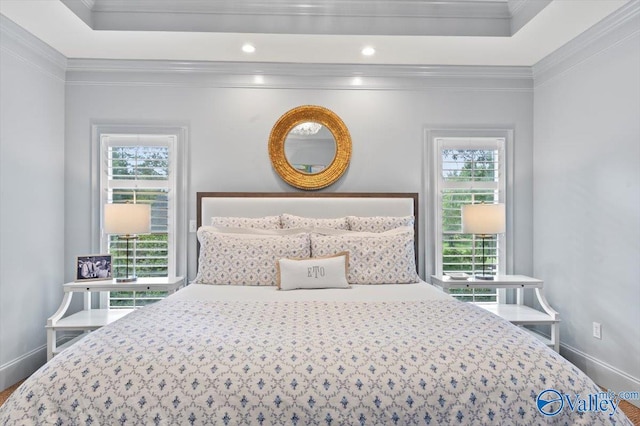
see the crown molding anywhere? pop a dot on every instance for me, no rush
(621, 25)
(296, 76)
(28, 48)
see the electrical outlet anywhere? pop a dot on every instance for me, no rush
(192, 226)
(597, 330)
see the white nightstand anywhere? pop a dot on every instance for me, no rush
(516, 313)
(92, 319)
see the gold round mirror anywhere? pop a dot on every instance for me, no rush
(310, 147)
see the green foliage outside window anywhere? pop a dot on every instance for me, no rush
(462, 252)
(140, 163)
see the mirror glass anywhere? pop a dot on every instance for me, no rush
(310, 147)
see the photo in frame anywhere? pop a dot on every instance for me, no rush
(93, 267)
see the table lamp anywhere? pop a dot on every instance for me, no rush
(127, 221)
(483, 220)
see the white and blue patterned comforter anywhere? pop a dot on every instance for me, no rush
(184, 362)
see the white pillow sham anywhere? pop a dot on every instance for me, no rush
(378, 223)
(237, 259)
(291, 221)
(252, 232)
(326, 272)
(374, 258)
(249, 232)
(265, 222)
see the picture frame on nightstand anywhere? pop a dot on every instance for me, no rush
(93, 267)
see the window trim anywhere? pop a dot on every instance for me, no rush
(431, 201)
(181, 155)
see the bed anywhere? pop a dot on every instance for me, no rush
(383, 353)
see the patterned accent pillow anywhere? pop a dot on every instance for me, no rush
(266, 222)
(374, 258)
(245, 259)
(319, 272)
(290, 221)
(378, 223)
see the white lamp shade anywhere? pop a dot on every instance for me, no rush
(127, 219)
(483, 219)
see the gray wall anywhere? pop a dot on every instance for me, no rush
(32, 198)
(587, 197)
(229, 128)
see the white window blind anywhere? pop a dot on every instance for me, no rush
(139, 169)
(470, 170)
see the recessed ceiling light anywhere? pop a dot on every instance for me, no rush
(258, 79)
(248, 48)
(368, 51)
(357, 81)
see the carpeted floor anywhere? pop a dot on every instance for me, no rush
(630, 410)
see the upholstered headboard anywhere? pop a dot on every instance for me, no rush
(308, 204)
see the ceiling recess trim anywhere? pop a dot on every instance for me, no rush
(496, 18)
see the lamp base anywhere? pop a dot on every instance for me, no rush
(484, 277)
(128, 279)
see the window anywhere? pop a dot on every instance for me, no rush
(469, 170)
(140, 168)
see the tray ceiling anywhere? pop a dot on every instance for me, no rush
(339, 17)
(423, 32)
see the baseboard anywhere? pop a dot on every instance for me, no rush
(24, 366)
(605, 375)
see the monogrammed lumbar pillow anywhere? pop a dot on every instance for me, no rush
(326, 272)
